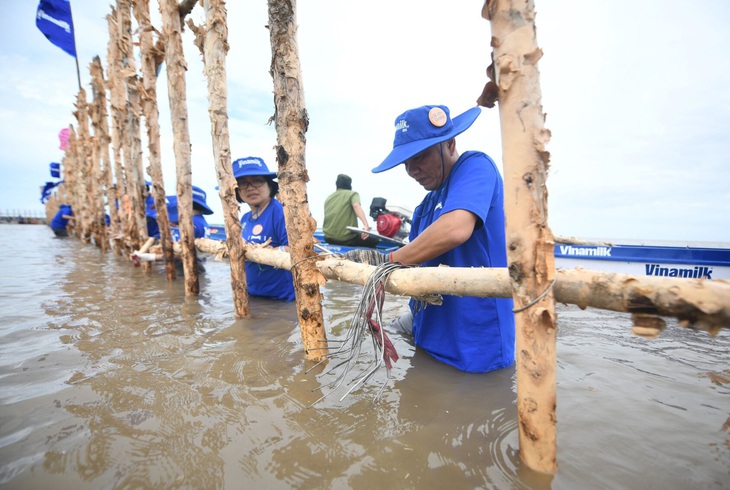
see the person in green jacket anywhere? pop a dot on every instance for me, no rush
(342, 209)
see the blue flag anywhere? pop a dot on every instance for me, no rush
(55, 170)
(53, 18)
(46, 190)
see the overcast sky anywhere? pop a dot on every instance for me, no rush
(637, 97)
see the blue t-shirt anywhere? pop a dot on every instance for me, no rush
(475, 335)
(264, 280)
(200, 229)
(153, 230)
(200, 226)
(58, 221)
(149, 204)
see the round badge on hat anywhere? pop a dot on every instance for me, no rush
(437, 116)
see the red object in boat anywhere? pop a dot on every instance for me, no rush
(388, 225)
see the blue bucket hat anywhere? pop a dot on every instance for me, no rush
(199, 199)
(172, 209)
(171, 202)
(422, 127)
(248, 166)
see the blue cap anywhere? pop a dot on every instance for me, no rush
(199, 199)
(249, 166)
(421, 128)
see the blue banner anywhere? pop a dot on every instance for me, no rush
(53, 18)
(46, 190)
(55, 170)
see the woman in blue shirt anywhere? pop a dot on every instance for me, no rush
(264, 221)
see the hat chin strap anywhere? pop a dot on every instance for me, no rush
(443, 165)
(257, 210)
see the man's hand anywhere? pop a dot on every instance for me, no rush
(367, 256)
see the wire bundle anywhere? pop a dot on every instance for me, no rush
(366, 320)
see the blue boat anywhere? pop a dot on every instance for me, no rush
(325, 247)
(684, 261)
(660, 259)
(217, 232)
(692, 261)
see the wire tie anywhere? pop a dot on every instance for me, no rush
(547, 290)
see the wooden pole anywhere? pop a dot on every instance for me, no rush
(100, 144)
(177, 93)
(118, 102)
(74, 174)
(213, 44)
(63, 193)
(101, 130)
(95, 198)
(701, 304)
(132, 142)
(148, 93)
(530, 243)
(291, 126)
(83, 153)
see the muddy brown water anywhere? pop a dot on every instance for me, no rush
(111, 378)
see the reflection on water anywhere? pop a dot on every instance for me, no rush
(112, 378)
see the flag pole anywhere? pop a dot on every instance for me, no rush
(78, 72)
(73, 33)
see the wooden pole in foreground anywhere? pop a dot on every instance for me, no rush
(72, 181)
(530, 242)
(132, 142)
(148, 94)
(291, 126)
(212, 40)
(100, 121)
(697, 303)
(83, 152)
(118, 104)
(177, 93)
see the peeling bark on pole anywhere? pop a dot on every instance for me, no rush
(73, 173)
(291, 125)
(118, 102)
(529, 239)
(148, 94)
(101, 131)
(213, 44)
(132, 141)
(83, 154)
(65, 190)
(63, 194)
(177, 93)
(96, 199)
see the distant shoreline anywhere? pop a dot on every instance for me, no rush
(20, 220)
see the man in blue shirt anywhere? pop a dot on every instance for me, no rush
(200, 207)
(60, 220)
(460, 223)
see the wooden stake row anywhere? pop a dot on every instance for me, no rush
(531, 278)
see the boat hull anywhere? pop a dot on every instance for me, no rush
(647, 260)
(691, 262)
